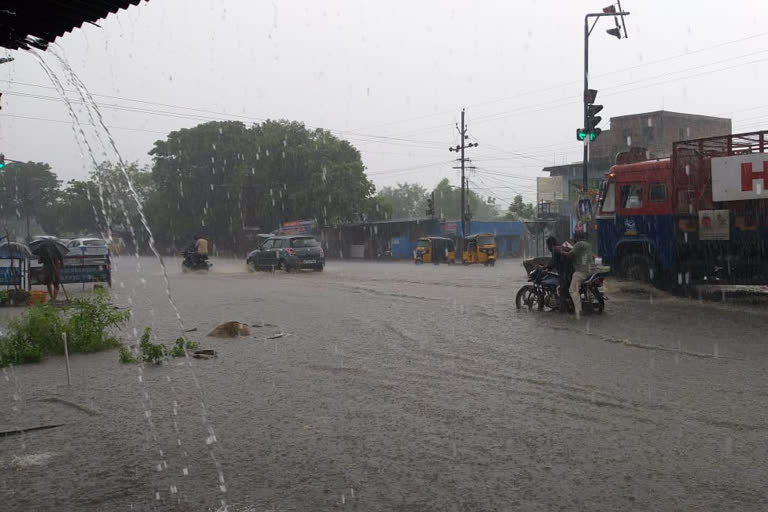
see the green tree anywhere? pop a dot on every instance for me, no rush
(30, 190)
(104, 206)
(220, 177)
(407, 200)
(448, 203)
(520, 210)
(78, 210)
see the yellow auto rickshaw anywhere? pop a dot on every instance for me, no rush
(480, 248)
(434, 249)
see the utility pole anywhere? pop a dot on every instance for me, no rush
(460, 149)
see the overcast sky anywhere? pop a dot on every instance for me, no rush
(392, 77)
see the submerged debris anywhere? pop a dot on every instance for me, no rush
(206, 353)
(230, 330)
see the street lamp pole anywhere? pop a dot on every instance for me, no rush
(616, 32)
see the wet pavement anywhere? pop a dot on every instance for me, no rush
(397, 388)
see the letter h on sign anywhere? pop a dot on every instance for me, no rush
(747, 175)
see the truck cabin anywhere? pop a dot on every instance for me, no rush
(640, 188)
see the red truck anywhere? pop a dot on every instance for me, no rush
(699, 216)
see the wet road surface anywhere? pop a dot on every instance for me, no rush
(397, 387)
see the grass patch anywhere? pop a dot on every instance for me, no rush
(40, 330)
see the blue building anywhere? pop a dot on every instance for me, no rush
(397, 238)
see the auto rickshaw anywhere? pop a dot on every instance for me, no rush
(480, 248)
(435, 249)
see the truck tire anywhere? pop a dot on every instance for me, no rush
(635, 267)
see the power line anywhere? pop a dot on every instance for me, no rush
(576, 82)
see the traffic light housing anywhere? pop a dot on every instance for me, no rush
(2, 161)
(592, 119)
(431, 205)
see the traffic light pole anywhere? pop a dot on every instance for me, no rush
(608, 11)
(585, 170)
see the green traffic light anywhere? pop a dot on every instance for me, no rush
(581, 134)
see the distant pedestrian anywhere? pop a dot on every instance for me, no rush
(53, 263)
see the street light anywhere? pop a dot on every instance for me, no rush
(590, 130)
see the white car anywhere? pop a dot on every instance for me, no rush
(88, 247)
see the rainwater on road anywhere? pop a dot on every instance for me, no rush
(395, 387)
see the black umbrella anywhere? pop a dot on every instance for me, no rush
(48, 246)
(14, 251)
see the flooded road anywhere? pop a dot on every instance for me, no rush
(397, 387)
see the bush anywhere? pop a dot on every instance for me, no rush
(40, 330)
(155, 353)
(31, 336)
(181, 344)
(88, 328)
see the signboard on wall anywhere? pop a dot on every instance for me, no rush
(550, 189)
(449, 228)
(740, 177)
(298, 227)
(714, 225)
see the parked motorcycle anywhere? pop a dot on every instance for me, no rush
(543, 292)
(194, 262)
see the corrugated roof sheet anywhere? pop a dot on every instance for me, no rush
(36, 23)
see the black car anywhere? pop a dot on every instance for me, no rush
(287, 253)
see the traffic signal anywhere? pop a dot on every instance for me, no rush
(431, 205)
(2, 161)
(592, 118)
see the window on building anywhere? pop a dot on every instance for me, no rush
(657, 192)
(631, 196)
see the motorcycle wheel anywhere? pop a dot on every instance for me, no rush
(528, 297)
(591, 297)
(548, 300)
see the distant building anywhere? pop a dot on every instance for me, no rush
(654, 131)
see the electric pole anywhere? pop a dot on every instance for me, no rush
(460, 149)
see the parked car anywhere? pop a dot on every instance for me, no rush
(287, 253)
(88, 247)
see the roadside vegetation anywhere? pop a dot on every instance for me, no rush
(88, 325)
(155, 353)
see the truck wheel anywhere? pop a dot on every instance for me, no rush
(635, 267)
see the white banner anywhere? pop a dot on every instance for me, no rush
(735, 178)
(550, 189)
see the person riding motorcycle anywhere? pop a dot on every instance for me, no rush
(197, 252)
(201, 247)
(581, 258)
(562, 265)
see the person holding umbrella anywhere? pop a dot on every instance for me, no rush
(50, 253)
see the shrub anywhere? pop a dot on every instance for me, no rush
(178, 348)
(155, 353)
(88, 328)
(31, 336)
(40, 330)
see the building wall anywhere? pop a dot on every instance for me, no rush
(656, 131)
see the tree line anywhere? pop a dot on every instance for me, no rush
(222, 180)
